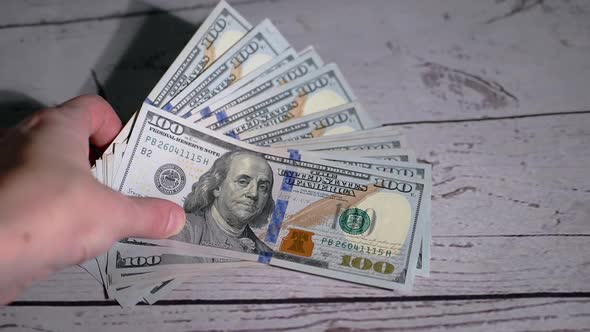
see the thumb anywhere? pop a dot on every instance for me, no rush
(146, 217)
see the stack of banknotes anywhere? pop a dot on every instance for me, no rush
(274, 162)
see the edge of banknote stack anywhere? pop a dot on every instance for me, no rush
(276, 164)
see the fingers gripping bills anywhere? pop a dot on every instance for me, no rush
(252, 138)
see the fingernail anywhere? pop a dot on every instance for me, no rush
(176, 222)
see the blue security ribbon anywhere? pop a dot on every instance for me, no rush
(168, 107)
(232, 134)
(221, 116)
(205, 112)
(278, 214)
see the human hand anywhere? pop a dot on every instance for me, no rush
(53, 213)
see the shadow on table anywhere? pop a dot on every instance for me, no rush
(139, 52)
(132, 63)
(15, 106)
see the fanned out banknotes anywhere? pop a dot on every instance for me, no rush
(275, 163)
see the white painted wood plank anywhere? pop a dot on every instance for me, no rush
(489, 265)
(554, 314)
(406, 60)
(522, 176)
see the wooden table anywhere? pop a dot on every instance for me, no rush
(495, 95)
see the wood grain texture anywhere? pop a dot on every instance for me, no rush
(480, 315)
(521, 176)
(511, 201)
(407, 61)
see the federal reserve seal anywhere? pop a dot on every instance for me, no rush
(354, 221)
(170, 179)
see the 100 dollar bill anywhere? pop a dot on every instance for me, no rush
(137, 258)
(323, 89)
(277, 63)
(222, 29)
(358, 136)
(285, 208)
(303, 66)
(401, 155)
(131, 258)
(259, 46)
(374, 143)
(338, 120)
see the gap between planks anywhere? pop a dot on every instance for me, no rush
(497, 118)
(507, 235)
(422, 298)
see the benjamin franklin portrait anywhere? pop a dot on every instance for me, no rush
(227, 201)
